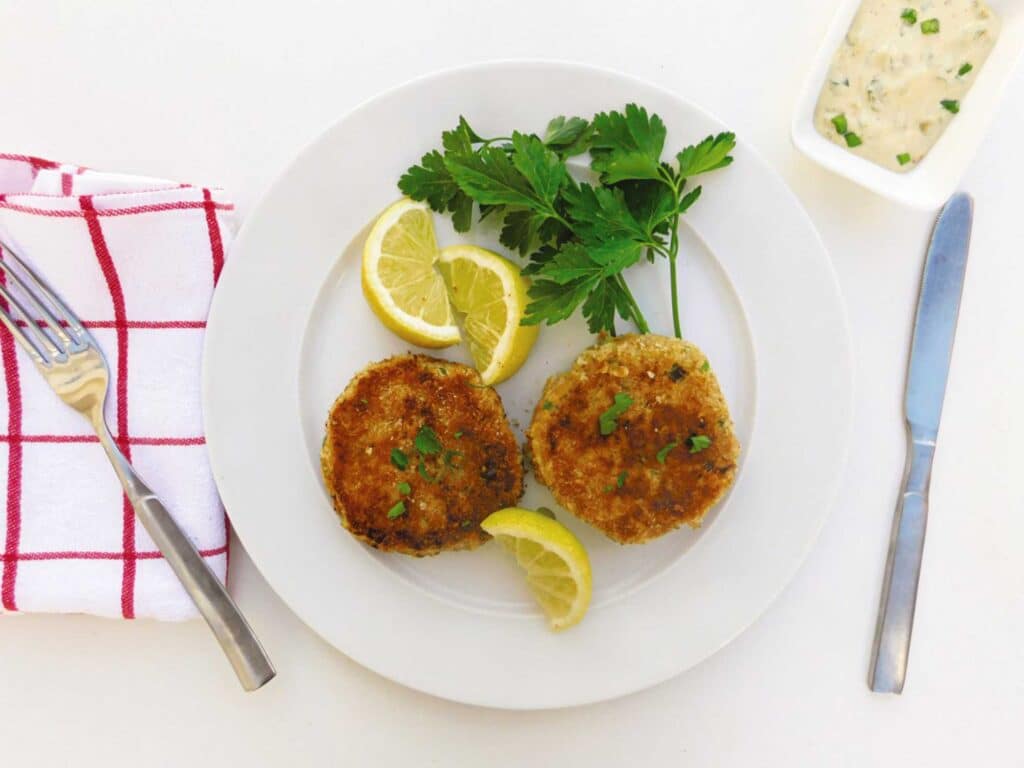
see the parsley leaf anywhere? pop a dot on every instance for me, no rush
(396, 511)
(568, 136)
(608, 421)
(421, 468)
(698, 443)
(404, 488)
(664, 452)
(431, 181)
(710, 155)
(620, 479)
(489, 177)
(627, 145)
(399, 459)
(578, 275)
(426, 441)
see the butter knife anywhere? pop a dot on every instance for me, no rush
(934, 330)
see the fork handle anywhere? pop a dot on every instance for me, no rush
(229, 626)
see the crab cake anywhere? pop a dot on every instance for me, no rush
(417, 453)
(635, 438)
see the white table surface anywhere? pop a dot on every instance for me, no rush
(225, 93)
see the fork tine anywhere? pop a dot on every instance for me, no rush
(48, 349)
(33, 351)
(74, 325)
(52, 323)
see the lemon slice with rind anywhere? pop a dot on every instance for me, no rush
(490, 294)
(400, 277)
(556, 564)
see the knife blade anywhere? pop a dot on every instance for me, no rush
(930, 353)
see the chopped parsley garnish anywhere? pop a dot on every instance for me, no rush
(705, 367)
(363, 401)
(422, 469)
(929, 26)
(404, 488)
(664, 452)
(839, 121)
(607, 420)
(853, 140)
(396, 511)
(399, 459)
(903, 158)
(950, 105)
(426, 441)
(450, 456)
(964, 69)
(548, 405)
(458, 435)
(909, 15)
(698, 443)
(443, 371)
(465, 523)
(621, 479)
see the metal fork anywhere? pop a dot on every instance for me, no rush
(68, 357)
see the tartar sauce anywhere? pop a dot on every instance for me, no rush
(900, 75)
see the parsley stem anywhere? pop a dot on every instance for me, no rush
(673, 251)
(634, 308)
(488, 142)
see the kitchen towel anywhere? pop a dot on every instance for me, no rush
(137, 259)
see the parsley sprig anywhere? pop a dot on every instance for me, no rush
(580, 236)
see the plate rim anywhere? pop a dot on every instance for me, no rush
(846, 359)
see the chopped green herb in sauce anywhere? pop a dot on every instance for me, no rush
(853, 140)
(607, 421)
(548, 405)
(705, 367)
(950, 105)
(839, 121)
(664, 452)
(698, 443)
(404, 488)
(903, 158)
(930, 27)
(399, 459)
(396, 511)
(621, 479)
(964, 69)
(909, 16)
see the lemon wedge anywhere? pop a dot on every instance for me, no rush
(491, 295)
(556, 564)
(400, 279)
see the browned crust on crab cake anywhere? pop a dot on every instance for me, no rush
(476, 473)
(675, 397)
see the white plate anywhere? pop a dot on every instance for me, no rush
(289, 328)
(936, 177)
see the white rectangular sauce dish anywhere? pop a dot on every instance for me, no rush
(936, 176)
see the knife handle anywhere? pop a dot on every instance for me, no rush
(903, 569)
